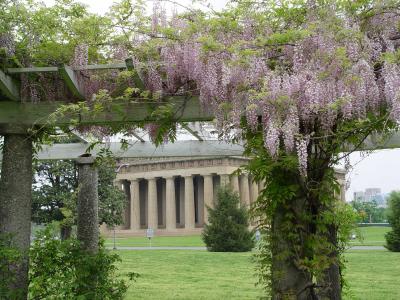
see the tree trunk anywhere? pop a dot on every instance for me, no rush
(88, 220)
(65, 232)
(331, 281)
(288, 281)
(15, 201)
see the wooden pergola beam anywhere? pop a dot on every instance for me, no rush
(185, 110)
(55, 69)
(9, 87)
(192, 132)
(71, 81)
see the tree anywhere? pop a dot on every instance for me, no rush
(54, 195)
(369, 212)
(228, 228)
(393, 236)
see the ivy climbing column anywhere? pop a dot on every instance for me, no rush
(15, 199)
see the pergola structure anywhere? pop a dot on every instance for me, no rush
(18, 117)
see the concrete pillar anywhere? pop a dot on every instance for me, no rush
(189, 203)
(152, 218)
(224, 180)
(244, 190)
(254, 191)
(170, 209)
(135, 205)
(15, 200)
(88, 219)
(261, 186)
(235, 183)
(208, 195)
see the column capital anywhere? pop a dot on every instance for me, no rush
(206, 174)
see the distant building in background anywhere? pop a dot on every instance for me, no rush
(371, 194)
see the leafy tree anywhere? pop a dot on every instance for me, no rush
(54, 195)
(369, 212)
(228, 228)
(393, 236)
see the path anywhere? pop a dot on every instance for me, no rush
(204, 248)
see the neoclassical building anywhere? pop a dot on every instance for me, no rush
(170, 195)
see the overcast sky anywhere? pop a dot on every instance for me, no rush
(378, 170)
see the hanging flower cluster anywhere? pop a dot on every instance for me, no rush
(332, 70)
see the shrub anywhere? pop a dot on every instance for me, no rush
(393, 237)
(9, 255)
(62, 270)
(227, 230)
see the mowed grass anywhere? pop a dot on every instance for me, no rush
(371, 236)
(183, 274)
(158, 241)
(192, 275)
(373, 275)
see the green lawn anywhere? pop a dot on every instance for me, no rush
(371, 236)
(373, 275)
(192, 275)
(176, 274)
(159, 241)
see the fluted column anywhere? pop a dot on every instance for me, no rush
(224, 180)
(135, 205)
(254, 191)
(208, 195)
(152, 217)
(235, 183)
(189, 203)
(170, 209)
(244, 190)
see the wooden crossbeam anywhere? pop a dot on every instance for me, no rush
(9, 88)
(185, 110)
(136, 79)
(192, 132)
(68, 75)
(55, 69)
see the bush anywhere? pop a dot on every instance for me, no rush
(228, 225)
(393, 237)
(62, 270)
(9, 255)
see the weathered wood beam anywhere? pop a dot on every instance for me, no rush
(68, 75)
(192, 132)
(55, 69)
(185, 110)
(138, 137)
(9, 88)
(136, 79)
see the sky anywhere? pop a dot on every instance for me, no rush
(377, 170)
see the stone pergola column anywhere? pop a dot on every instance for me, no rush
(15, 199)
(87, 220)
(235, 183)
(135, 205)
(244, 190)
(152, 216)
(170, 204)
(189, 203)
(208, 195)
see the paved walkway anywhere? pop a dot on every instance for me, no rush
(367, 248)
(204, 248)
